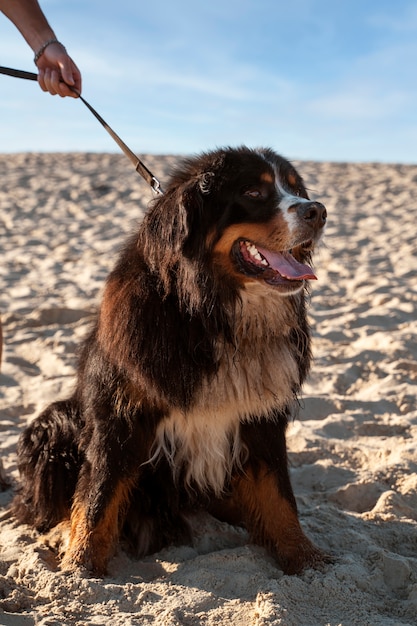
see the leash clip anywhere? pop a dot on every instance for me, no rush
(156, 186)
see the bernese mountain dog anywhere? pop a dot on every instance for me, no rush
(190, 374)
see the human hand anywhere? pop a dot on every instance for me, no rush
(58, 72)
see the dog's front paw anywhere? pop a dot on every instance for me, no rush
(303, 556)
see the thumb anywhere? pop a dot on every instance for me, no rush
(66, 72)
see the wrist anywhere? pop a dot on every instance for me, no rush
(39, 52)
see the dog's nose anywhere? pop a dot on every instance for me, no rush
(313, 212)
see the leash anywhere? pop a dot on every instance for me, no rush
(140, 167)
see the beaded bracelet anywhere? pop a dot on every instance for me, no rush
(43, 48)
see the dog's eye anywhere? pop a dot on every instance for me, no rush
(253, 192)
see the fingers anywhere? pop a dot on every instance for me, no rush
(51, 80)
(58, 72)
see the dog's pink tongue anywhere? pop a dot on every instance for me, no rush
(287, 265)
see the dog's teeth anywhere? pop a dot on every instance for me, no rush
(253, 251)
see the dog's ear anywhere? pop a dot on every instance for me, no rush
(173, 221)
(193, 203)
(179, 221)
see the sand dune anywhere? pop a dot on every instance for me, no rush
(353, 449)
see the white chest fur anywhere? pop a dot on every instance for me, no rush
(258, 375)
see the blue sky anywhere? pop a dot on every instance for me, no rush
(314, 79)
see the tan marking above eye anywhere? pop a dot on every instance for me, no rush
(292, 180)
(266, 177)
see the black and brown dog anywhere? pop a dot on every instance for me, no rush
(190, 374)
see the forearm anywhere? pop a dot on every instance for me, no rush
(27, 16)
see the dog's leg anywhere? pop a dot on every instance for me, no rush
(263, 499)
(272, 519)
(95, 526)
(102, 495)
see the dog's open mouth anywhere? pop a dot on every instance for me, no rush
(275, 268)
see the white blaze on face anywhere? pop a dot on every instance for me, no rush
(287, 203)
(287, 200)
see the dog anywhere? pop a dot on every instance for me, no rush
(190, 374)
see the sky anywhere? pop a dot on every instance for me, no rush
(325, 80)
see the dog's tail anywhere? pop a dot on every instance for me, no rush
(48, 460)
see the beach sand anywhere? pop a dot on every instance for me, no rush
(353, 447)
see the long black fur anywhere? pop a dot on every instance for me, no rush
(168, 319)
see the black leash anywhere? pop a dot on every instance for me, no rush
(137, 163)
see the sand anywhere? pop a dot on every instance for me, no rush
(353, 448)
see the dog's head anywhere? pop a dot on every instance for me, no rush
(244, 212)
